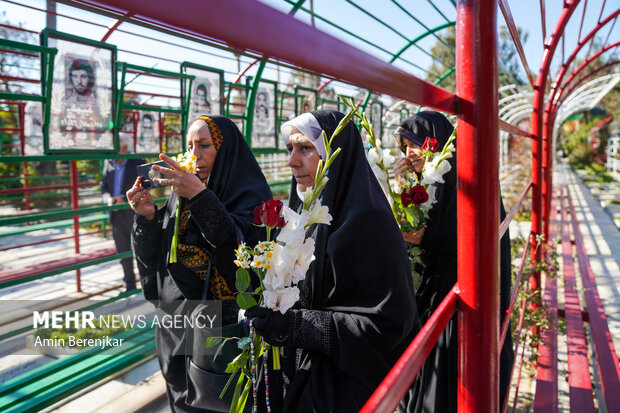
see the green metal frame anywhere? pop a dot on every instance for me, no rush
(120, 105)
(251, 102)
(47, 69)
(228, 93)
(299, 98)
(48, 80)
(186, 91)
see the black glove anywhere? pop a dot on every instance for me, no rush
(272, 325)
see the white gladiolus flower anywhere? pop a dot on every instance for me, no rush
(281, 299)
(444, 166)
(431, 191)
(430, 175)
(319, 214)
(293, 219)
(374, 156)
(388, 159)
(305, 255)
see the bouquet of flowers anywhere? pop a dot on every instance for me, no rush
(280, 265)
(187, 162)
(413, 195)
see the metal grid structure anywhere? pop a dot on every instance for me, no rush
(334, 53)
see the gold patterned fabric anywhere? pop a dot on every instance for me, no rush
(197, 259)
(214, 130)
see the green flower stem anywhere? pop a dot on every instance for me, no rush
(275, 354)
(175, 237)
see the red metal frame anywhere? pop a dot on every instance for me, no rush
(537, 132)
(283, 40)
(476, 105)
(514, 33)
(478, 206)
(393, 388)
(549, 115)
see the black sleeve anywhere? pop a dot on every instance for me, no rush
(212, 218)
(312, 330)
(146, 243)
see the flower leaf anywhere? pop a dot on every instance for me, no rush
(244, 343)
(245, 301)
(242, 281)
(230, 379)
(212, 341)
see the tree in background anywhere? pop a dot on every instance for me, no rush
(510, 67)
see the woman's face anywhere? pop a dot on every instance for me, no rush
(199, 143)
(413, 152)
(303, 159)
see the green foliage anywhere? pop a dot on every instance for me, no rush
(510, 66)
(575, 144)
(536, 318)
(445, 55)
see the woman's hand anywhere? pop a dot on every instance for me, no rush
(402, 165)
(141, 201)
(184, 184)
(414, 238)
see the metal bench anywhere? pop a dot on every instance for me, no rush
(581, 389)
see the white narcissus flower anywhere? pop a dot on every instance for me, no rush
(260, 261)
(319, 214)
(281, 299)
(401, 184)
(243, 256)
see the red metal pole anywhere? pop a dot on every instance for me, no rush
(548, 126)
(478, 206)
(76, 219)
(321, 52)
(537, 131)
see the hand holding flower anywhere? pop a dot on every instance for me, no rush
(182, 183)
(273, 326)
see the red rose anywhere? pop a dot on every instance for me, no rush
(268, 213)
(430, 144)
(416, 195)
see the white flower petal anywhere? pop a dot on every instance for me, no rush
(281, 299)
(319, 214)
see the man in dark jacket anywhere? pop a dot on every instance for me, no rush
(119, 176)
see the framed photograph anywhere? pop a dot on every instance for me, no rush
(82, 95)
(206, 94)
(376, 117)
(147, 138)
(306, 100)
(264, 129)
(33, 128)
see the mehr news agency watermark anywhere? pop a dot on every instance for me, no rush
(71, 322)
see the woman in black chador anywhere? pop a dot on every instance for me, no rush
(217, 206)
(435, 389)
(357, 311)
